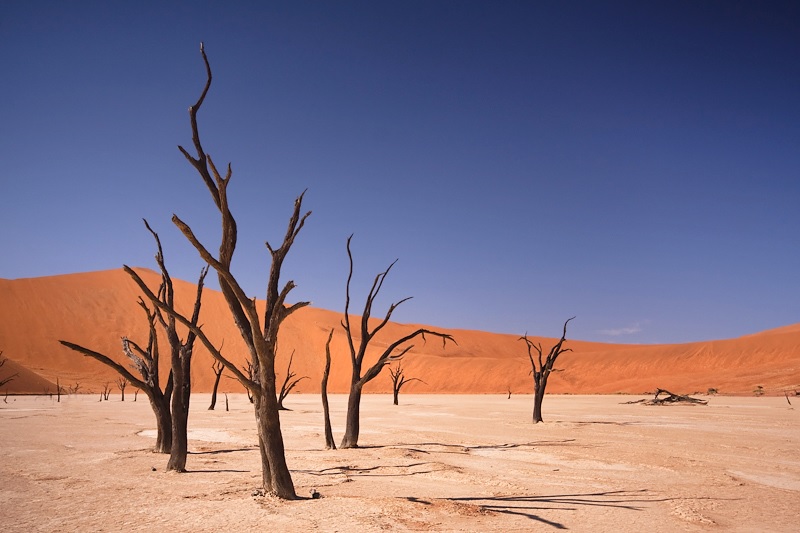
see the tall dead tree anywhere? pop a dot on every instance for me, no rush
(329, 442)
(146, 362)
(542, 370)
(398, 380)
(288, 384)
(7, 379)
(218, 368)
(261, 342)
(357, 354)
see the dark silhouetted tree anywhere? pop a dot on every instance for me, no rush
(121, 384)
(541, 369)
(218, 368)
(289, 383)
(261, 343)
(398, 380)
(394, 350)
(329, 442)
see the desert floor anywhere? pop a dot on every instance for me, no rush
(434, 463)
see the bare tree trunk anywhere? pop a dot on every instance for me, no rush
(180, 415)
(160, 406)
(352, 424)
(218, 369)
(329, 442)
(538, 397)
(275, 471)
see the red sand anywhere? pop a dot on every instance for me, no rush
(96, 309)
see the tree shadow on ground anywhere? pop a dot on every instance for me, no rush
(228, 450)
(526, 505)
(371, 471)
(467, 448)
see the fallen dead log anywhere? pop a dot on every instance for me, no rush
(669, 398)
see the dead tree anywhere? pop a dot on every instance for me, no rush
(248, 368)
(399, 379)
(217, 367)
(121, 384)
(7, 379)
(106, 391)
(542, 371)
(180, 351)
(288, 384)
(329, 442)
(146, 362)
(358, 380)
(261, 343)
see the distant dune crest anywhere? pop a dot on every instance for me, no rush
(96, 309)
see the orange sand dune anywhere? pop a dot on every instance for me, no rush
(96, 309)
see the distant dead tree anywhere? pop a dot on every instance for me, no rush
(329, 442)
(74, 388)
(7, 379)
(248, 368)
(218, 368)
(288, 384)
(540, 370)
(261, 343)
(366, 335)
(106, 391)
(399, 379)
(121, 384)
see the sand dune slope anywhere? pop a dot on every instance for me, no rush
(96, 309)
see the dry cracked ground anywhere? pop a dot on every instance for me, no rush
(433, 463)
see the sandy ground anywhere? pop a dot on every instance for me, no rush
(434, 463)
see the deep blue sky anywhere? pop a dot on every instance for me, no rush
(636, 164)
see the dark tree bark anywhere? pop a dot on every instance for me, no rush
(180, 354)
(261, 343)
(218, 369)
(542, 372)
(121, 384)
(288, 384)
(357, 380)
(329, 442)
(398, 380)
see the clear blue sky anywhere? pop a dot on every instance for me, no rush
(636, 164)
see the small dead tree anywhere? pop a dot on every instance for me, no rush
(288, 384)
(218, 368)
(358, 380)
(121, 384)
(248, 368)
(106, 391)
(542, 370)
(7, 379)
(261, 343)
(329, 442)
(399, 379)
